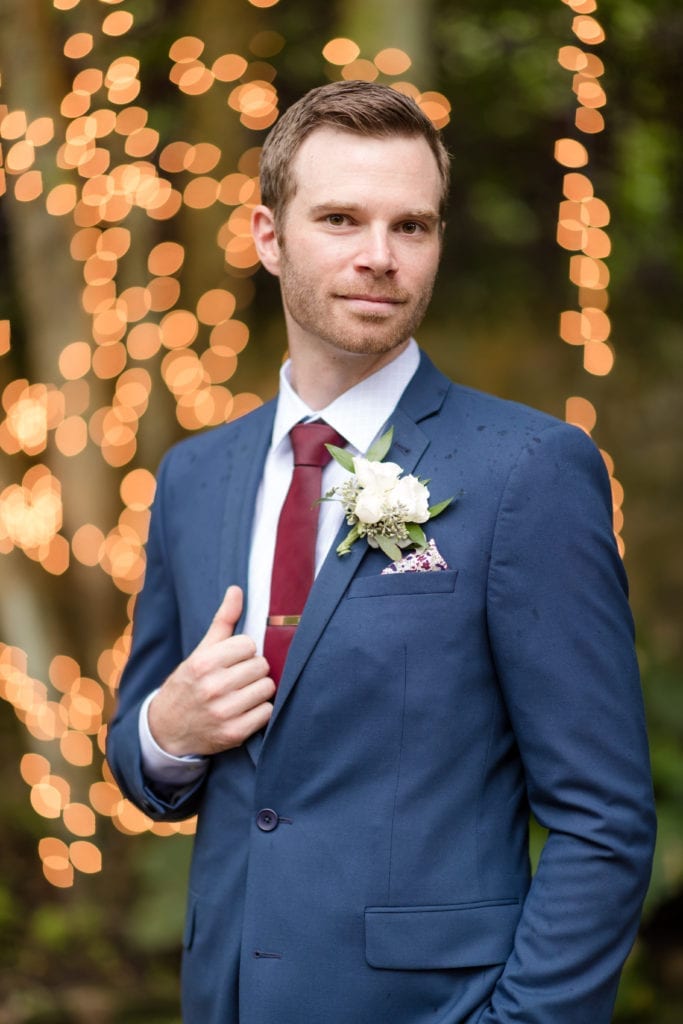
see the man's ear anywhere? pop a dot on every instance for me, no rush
(265, 238)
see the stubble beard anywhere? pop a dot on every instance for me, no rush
(363, 334)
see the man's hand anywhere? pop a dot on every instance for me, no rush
(219, 695)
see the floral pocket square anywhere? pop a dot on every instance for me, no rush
(426, 559)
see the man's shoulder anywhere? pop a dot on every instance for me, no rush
(473, 407)
(472, 404)
(496, 431)
(211, 448)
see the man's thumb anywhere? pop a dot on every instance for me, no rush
(226, 618)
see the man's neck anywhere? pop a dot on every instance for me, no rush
(321, 377)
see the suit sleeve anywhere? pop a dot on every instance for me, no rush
(562, 639)
(155, 653)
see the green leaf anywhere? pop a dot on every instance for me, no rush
(389, 547)
(351, 536)
(379, 449)
(416, 534)
(436, 510)
(342, 456)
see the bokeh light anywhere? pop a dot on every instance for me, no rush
(581, 225)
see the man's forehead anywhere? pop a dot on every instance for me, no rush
(329, 154)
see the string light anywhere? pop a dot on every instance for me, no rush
(110, 163)
(582, 220)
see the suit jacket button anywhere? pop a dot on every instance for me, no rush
(267, 820)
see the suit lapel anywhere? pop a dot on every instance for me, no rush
(248, 451)
(423, 397)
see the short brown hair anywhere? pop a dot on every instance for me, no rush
(363, 108)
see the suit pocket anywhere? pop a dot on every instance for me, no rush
(406, 583)
(474, 934)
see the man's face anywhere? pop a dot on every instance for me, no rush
(360, 242)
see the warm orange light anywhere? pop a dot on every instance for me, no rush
(215, 306)
(34, 768)
(117, 23)
(436, 107)
(71, 436)
(78, 45)
(588, 30)
(76, 748)
(598, 358)
(13, 125)
(589, 121)
(229, 67)
(5, 334)
(179, 328)
(137, 489)
(186, 49)
(392, 61)
(79, 819)
(166, 258)
(202, 158)
(86, 544)
(164, 293)
(570, 153)
(20, 157)
(201, 193)
(571, 58)
(341, 51)
(581, 413)
(28, 187)
(361, 69)
(85, 856)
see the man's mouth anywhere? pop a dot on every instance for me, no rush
(372, 303)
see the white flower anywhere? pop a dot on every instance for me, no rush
(381, 505)
(370, 505)
(380, 476)
(414, 499)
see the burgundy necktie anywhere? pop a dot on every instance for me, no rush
(294, 562)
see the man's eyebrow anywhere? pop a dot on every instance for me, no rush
(429, 213)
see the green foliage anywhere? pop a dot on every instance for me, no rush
(155, 921)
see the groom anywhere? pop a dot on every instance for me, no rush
(364, 744)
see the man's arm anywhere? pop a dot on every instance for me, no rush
(562, 637)
(211, 701)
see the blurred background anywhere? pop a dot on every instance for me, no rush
(133, 311)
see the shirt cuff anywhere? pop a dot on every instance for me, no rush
(160, 766)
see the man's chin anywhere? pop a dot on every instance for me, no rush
(369, 343)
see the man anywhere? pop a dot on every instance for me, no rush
(361, 854)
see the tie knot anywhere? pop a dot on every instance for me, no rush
(309, 440)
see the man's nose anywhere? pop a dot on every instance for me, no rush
(376, 253)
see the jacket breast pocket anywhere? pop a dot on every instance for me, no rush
(404, 583)
(477, 934)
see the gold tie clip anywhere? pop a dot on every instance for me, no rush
(284, 620)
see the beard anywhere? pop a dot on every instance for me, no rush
(325, 314)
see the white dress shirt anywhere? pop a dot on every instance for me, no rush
(360, 415)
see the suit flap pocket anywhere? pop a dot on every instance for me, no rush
(428, 938)
(442, 582)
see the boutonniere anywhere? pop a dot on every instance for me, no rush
(380, 503)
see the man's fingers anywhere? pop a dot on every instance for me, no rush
(225, 619)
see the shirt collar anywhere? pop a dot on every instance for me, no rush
(359, 413)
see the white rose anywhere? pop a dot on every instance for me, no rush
(376, 475)
(369, 505)
(414, 496)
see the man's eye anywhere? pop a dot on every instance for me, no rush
(411, 227)
(336, 219)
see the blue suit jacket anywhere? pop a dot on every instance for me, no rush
(419, 718)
